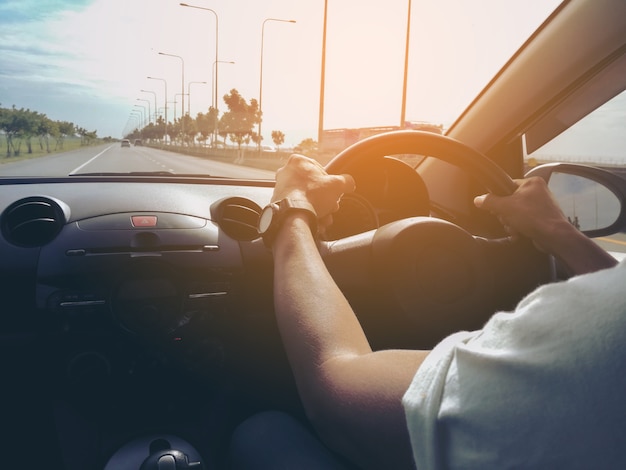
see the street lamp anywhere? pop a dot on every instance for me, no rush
(143, 114)
(182, 81)
(182, 102)
(174, 126)
(214, 103)
(155, 103)
(216, 53)
(406, 68)
(182, 91)
(141, 99)
(165, 101)
(135, 115)
(189, 96)
(261, 73)
(320, 122)
(214, 78)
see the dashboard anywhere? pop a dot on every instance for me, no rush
(148, 256)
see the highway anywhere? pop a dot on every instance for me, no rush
(112, 158)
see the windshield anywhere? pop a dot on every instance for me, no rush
(230, 89)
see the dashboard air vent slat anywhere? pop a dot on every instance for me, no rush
(238, 217)
(33, 221)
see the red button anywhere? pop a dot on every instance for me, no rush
(144, 220)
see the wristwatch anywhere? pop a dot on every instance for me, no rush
(273, 215)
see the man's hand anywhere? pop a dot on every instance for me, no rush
(533, 212)
(303, 178)
(530, 211)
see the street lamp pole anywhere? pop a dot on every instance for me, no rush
(406, 68)
(320, 123)
(189, 96)
(182, 80)
(155, 103)
(182, 91)
(216, 53)
(261, 73)
(214, 78)
(147, 101)
(214, 101)
(143, 114)
(165, 101)
(137, 117)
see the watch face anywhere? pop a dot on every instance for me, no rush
(265, 219)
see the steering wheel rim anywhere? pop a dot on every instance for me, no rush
(496, 180)
(433, 270)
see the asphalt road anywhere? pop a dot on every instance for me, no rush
(615, 243)
(112, 158)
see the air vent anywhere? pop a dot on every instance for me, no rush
(33, 221)
(238, 217)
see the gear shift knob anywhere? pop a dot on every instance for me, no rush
(169, 459)
(157, 452)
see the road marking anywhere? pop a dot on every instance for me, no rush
(76, 170)
(611, 240)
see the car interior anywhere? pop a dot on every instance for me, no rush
(137, 310)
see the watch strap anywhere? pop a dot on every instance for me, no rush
(286, 206)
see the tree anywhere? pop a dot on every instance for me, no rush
(239, 121)
(48, 128)
(188, 123)
(45, 129)
(278, 138)
(307, 146)
(206, 124)
(65, 129)
(15, 124)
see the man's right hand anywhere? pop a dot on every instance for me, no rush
(533, 212)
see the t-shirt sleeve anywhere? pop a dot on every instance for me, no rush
(540, 387)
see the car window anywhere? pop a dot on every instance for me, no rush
(598, 139)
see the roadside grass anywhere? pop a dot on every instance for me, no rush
(71, 143)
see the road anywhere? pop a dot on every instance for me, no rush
(614, 243)
(112, 158)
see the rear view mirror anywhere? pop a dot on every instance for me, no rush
(593, 199)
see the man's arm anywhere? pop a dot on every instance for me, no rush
(351, 394)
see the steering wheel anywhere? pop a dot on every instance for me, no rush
(439, 275)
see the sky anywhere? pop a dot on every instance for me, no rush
(86, 61)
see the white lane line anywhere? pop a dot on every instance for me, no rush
(88, 162)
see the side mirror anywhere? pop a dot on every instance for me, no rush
(593, 199)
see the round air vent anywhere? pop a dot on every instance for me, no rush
(33, 221)
(238, 217)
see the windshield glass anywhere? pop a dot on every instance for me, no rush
(156, 86)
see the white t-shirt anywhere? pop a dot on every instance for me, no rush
(541, 387)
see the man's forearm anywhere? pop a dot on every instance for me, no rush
(308, 302)
(578, 252)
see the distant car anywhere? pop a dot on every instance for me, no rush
(138, 142)
(125, 143)
(269, 148)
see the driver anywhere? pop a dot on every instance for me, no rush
(540, 387)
